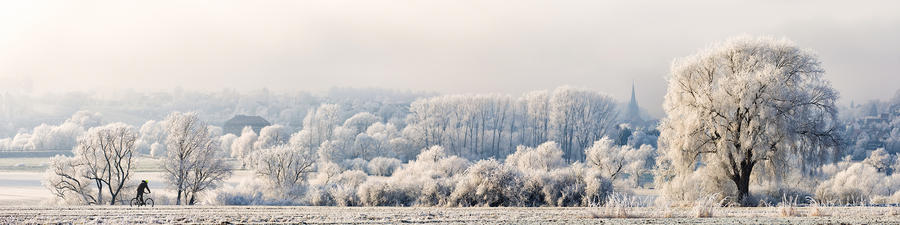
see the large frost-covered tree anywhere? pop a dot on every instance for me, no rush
(193, 161)
(748, 103)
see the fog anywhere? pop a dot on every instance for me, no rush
(441, 46)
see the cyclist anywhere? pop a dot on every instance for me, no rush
(140, 190)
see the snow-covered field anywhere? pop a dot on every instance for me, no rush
(392, 215)
(24, 187)
(21, 196)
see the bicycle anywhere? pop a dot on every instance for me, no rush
(137, 202)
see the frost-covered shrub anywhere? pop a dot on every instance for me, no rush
(859, 183)
(702, 183)
(563, 188)
(596, 189)
(427, 181)
(333, 151)
(153, 133)
(375, 192)
(344, 188)
(451, 166)
(252, 191)
(284, 167)
(243, 145)
(325, 172)
(488, 183)
(576, 185)
(435, 192)
(335, 189)
(226, 141)
(531, 193)
(318, 195)
(355, 164)
(433, 163)
(271, 136)
(545, 157)
(614, 160)
(228, 196)
(381, 166)
(880, 160)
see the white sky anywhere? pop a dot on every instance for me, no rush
(444, 46)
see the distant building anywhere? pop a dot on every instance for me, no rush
(237, 123)
(633, 112)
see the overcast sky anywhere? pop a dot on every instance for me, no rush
(444, 46)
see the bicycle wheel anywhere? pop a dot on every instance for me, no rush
(135, 202)
(148, 201)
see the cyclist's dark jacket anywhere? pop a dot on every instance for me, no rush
(141, 188)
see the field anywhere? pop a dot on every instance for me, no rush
(391, 215)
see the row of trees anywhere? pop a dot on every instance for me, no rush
(21, 111)
(53, 137)
(484, 126)
(103, 162)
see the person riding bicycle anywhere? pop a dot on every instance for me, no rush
(140, 191)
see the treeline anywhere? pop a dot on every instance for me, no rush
(470, 126)
(462, 133)
(20, 112)
(483, 126)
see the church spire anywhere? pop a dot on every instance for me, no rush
(633, 113)
(633, 98)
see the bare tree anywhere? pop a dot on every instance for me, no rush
(209, 171)
(192, 161)
(103, 158)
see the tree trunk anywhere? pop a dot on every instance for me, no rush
(742, 180)
(743, 186)
(99, 192)
(178, 199)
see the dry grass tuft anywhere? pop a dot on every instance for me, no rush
(705, 207)
(788, 206)
(816, 208)
(620, 206)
